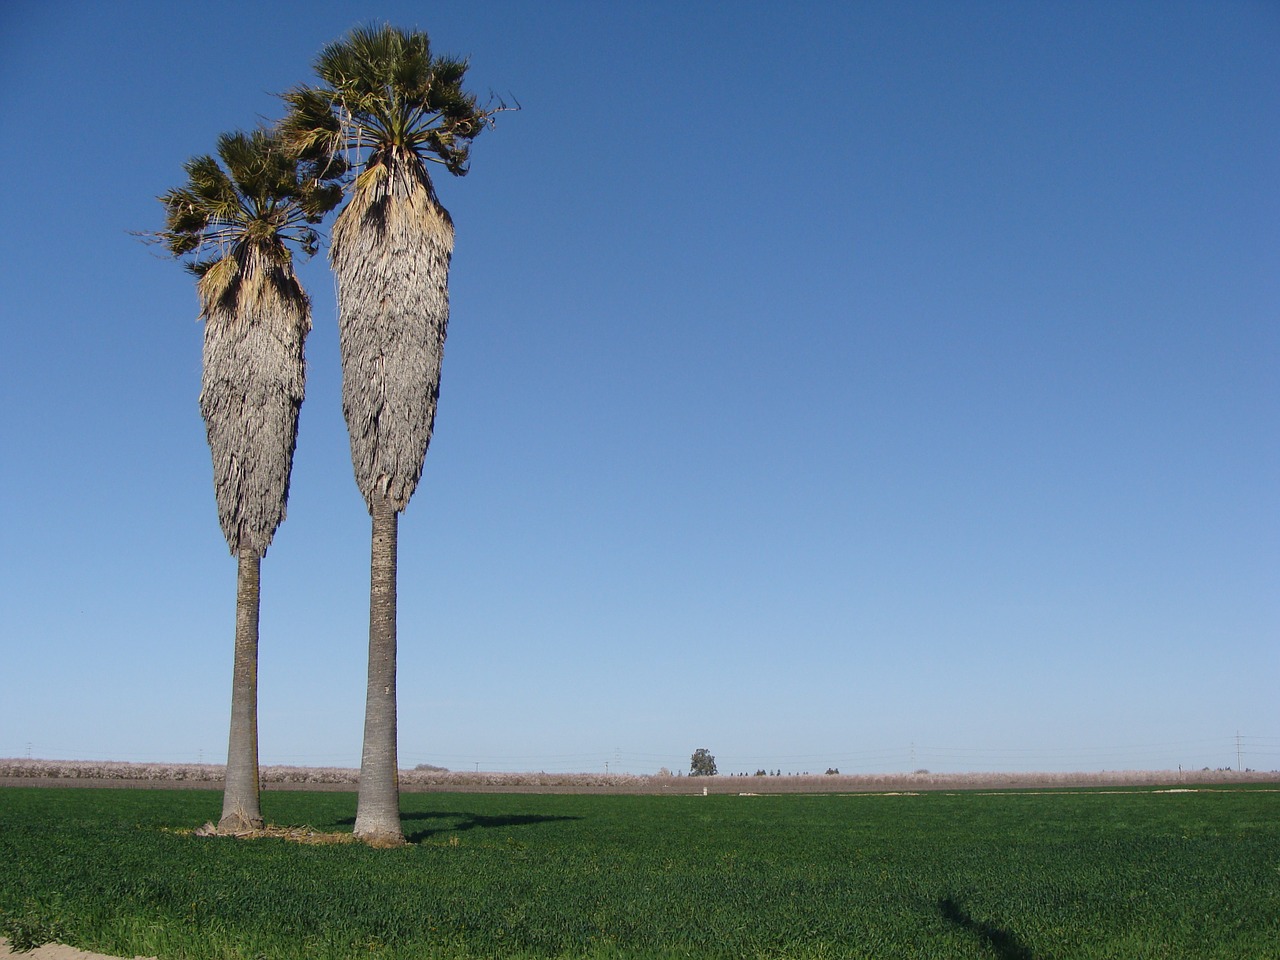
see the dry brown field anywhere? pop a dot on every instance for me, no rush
(88, 773)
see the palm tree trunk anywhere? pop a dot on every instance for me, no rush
(378, 808)
(240, 810)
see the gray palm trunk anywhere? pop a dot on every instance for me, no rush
(256, 322)
(378, 807)
(390, 253)
(240, 804)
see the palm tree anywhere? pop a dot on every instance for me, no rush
(237, 225)
(391, 107)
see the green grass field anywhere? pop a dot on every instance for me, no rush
(1009, 876)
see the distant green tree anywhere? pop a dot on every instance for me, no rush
(702, 763)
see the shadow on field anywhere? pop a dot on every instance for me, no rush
(465, 821)
(1004, 945)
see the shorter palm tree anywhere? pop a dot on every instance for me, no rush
(236, 225)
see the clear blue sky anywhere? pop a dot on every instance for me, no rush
(873, 385)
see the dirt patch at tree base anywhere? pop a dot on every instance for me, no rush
(55, 951)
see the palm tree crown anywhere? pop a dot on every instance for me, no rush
(386, 95)
(263, 200)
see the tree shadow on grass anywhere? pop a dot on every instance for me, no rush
(465, 821)
(1004, 945)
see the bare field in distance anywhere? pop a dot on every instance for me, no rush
(90, 773)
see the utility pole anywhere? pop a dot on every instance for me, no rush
(1237, 751)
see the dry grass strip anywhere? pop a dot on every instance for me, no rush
(306, 835)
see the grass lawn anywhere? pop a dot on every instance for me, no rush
(1010, 876)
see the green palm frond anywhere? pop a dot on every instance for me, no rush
(318, 199)
(312, 128)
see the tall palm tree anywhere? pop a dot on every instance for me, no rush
(391, 108)
(236, 225)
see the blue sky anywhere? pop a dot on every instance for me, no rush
(870, 385)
